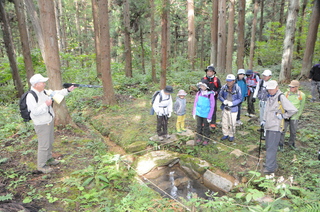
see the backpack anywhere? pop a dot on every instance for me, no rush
(25, 114)
(215, 81)
(152, 100)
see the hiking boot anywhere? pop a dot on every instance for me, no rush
(161, 138)
(251, 115)
(247, 114)
(239, 123)
(293, 147)
(213, 126)
(224, 137)
(184, 130)
(265, 171)
(231, 139)
(45, 169)
(167, 136)
(53, 162)
(205, 143)
(281, 148)
(179, 131)
(198, 141)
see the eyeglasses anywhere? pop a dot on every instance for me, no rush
(293, 86)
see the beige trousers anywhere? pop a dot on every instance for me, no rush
(228, 123)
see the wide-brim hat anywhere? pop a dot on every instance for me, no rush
(272, 84)
(37, 78)
(181, 93)
(202, 84)
(294, 83)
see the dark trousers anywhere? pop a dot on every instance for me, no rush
(293, 126)
(239, 111)
(272, 142)
(203, 130)
(162, 125)
(214, 115)
(250, 104)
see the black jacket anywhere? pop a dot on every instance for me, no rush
(315, 73)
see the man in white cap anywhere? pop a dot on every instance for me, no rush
(230, 96)
(42, 114)
(278, 108)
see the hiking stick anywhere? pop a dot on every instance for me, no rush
(67, 85)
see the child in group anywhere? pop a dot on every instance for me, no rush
(162, 106)
(203, 109)
(179, 108)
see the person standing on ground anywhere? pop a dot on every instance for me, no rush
(215, 86)
(203, 108)
(230, 96)
(252, 80)
(241, 82)
(298, 99)
(162, 106)
(179, 108)
(314, 78)
(261, 91)
(42, 114)
(278, 108)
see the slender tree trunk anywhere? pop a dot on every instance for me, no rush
(191, 33)
(253, 33)
(77, 22)
(311, 39)
(164, 37)
(142, 50)
(48, 25)
(202, 44)
(127, 39)
(18, 4)
(105, 58)
(281, 13)
(63, 41)
(241, 32)
(288, 44)
(36, 25)
(230, 40)
(214, 32)
(302, 15)
(85, 29)
(221, 57)
(8, 42)
(261, 20)
(96, 25)
(153, 43)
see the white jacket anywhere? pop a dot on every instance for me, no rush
(164, 107)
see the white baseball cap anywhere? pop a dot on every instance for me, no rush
(230, 77)
(241, 71)
(38, 78)
(272, 84)
(267, 73)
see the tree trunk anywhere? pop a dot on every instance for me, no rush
(261, 20)
(288, 44)
(19, 7)
(153, 43)
(221, 57)
(51, 49)
(8, 42)
(142, 50)
(96, 25)
(202, 31)
(105, 58)
(302, 15)
(36, 25)
(230, 40)
(311, 39)
(281, 13)
(191, 33)
(63, 41)
(241, 32)
(127, 39)
(214, 32)
(253, 33)
(164, 37)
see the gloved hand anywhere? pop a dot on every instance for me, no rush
(225, 102)
(253, 99)
(279, 116)
(194, 116)
(262, 123)
(209, 120)
(230, 104)
(169, 115)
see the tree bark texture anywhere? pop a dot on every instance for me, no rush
(230, 40)
(191, 33)
(96, 25)
(153, 43)
(164, 37)
(105, 57)
(253, 33)
(214, 32)
(127, 39)
(221, 57)
(241, 33)
(288, 44)
(24, 38)
(8, 42)
(300, 28)
(52, 59)
(311, 39)
(261, 20)
(142, 50)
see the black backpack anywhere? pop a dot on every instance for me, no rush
(25, 114)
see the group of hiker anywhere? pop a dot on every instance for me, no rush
(278, 110)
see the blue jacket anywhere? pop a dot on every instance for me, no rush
(204, 104)
(243, 86)
(236, 97)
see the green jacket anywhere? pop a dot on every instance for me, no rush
(298, 100)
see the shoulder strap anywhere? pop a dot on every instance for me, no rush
(34, 95)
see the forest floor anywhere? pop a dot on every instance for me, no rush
(117, 127)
